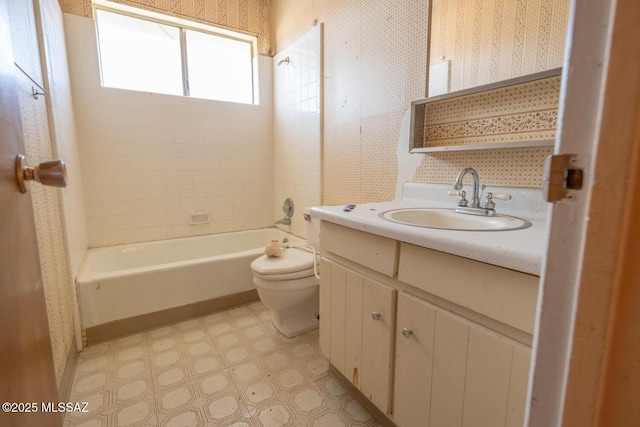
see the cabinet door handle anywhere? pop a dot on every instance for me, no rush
(406, 332)
(376, 316)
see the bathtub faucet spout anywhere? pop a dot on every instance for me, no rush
(288, 210)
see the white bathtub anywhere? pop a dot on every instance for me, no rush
(121, 282)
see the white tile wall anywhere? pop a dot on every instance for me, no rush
(297, 128)
(149, 159)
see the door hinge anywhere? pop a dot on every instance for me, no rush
(560, 177)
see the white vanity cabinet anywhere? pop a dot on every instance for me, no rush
(450, 371)
(430, 338)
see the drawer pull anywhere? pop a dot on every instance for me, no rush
(407, 333)
(376, 316)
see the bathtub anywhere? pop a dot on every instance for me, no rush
(132, 281)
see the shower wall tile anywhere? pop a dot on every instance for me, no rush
(297, 130)
(148, 159)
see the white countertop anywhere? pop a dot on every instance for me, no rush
(520, 250)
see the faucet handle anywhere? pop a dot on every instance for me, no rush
(462, 201)
(503, 196)
(488, 202)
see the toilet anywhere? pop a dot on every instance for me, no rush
(287, 285)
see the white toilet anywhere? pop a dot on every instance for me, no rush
(288, 286)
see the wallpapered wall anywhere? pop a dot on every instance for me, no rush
(375, 65)
(527, 112)
(488, 41)
(45, 200)
(493, 40)
(375, 57)
(64, 143)
(252, 16)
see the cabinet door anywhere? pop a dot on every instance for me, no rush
(414, 361)
(430, 365)
(449, 369)
(341, 297)
(358, 344)
(518, 385)
(452, 372)
(377, 342)
(489, 359)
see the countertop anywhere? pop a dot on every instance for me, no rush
(520, 250)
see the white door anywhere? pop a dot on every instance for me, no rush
(577, 291)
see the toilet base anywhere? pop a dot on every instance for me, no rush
(297, 320)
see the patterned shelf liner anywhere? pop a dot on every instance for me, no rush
(516, 115)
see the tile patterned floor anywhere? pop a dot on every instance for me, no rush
(231, 368)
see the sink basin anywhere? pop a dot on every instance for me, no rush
(449, 219)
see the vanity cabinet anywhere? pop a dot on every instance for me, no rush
(450, 371)
(430, 338)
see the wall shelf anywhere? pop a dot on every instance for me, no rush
(519, 112)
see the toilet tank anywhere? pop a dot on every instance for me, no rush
(313, 229)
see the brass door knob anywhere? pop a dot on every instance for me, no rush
(52, 173)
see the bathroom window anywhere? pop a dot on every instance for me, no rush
(165, 57)
(226, 75)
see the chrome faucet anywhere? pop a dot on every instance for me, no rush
(487, 207)
(475, 197)
(284, 221)
(475, 208)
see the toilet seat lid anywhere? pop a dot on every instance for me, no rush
(292, 260)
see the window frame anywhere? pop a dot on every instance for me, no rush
(182, 25)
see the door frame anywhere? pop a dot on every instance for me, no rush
(583, 370)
